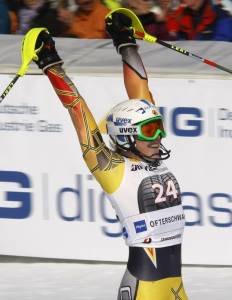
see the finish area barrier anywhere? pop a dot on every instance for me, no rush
(51, 206)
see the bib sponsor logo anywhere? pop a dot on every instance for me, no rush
(140, 226)
(136, 167)
(171, 219)
(140, 167)
(172, 237)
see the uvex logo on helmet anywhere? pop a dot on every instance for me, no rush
(130, 130)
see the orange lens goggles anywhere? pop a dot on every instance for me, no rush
(151, 129)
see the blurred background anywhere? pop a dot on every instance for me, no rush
(59, 235)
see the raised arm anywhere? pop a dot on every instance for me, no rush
(135, 77)
(101, 161)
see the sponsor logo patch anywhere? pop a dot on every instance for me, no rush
(140, 226)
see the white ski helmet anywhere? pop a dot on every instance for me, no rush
(123, 119)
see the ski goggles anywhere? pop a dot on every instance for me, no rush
(151, 129)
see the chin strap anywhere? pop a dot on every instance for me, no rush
(164, 152)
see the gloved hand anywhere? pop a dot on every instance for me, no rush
(47, 55)
(117, 26)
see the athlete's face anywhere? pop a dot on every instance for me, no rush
(150, 149)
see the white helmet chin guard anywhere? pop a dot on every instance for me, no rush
(122, 118)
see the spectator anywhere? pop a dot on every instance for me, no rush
(163, 7)
(88, 21)
(47, 16)
(150, 20)
(200, 20)
(13, 6)
(4, 18)
(26, 12)
(40, 13)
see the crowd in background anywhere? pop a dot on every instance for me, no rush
(166, 19)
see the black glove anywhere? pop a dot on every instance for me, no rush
(47, 55)
(117, 26)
